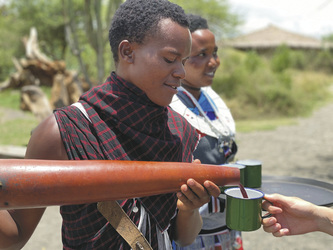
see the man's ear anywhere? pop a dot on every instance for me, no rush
(126, 52)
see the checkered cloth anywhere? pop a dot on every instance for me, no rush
(125, 125)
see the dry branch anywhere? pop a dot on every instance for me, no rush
(36, 70)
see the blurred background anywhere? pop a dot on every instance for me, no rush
(277, 58)
(276, 70)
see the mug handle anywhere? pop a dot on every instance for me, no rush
(267, 215)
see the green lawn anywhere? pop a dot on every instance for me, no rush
(17, 131)
(14, 130)
(262, 124)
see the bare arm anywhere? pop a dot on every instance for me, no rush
(17, 226)
(294, 216)
(325, 220)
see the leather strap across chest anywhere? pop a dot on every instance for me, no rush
(123, 225)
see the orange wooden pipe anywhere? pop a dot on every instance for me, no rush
(39, 183)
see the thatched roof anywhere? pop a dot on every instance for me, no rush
(272, 37)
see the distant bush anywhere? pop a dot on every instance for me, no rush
(324, 61)
(285, 58)
(253, 61)
(299, 60)
(254, 86)
(281, 59)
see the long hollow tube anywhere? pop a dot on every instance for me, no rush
(38, 183)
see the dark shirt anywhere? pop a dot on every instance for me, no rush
(125, 125)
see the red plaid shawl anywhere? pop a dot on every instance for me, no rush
(125, 125)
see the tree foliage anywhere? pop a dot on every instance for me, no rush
(10, 40)
(77, 31)
(217, 12)
(328, 38)
(79, 27)
(47, 17)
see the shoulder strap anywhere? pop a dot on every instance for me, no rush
(117, 217)
(123, 225)
(82, 109)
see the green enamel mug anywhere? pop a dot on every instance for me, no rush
(244, 214)
(252, 173)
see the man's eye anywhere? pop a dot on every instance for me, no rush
(168, 61)
(202, 54)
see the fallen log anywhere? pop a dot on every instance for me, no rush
(39, 183)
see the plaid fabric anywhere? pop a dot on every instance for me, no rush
(125, 125)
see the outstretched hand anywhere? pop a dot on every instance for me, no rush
(291, 216)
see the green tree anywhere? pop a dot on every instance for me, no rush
(217, 12)
(10, 41)
(47, 17)
(252, 61)
(281, 59)
(81, 27)
(80, 24)
(97, 30)
(328, 38)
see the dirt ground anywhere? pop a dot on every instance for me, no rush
(303, 150)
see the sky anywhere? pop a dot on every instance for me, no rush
(308, 17)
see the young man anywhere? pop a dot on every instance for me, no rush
(126, 118)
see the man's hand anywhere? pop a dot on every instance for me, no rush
(193, 195)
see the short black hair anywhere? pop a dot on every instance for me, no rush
(197, 22)
(135, 19)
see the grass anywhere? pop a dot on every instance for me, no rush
(17, 132)
(10, 98)
(245, 126)
(14, 130)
